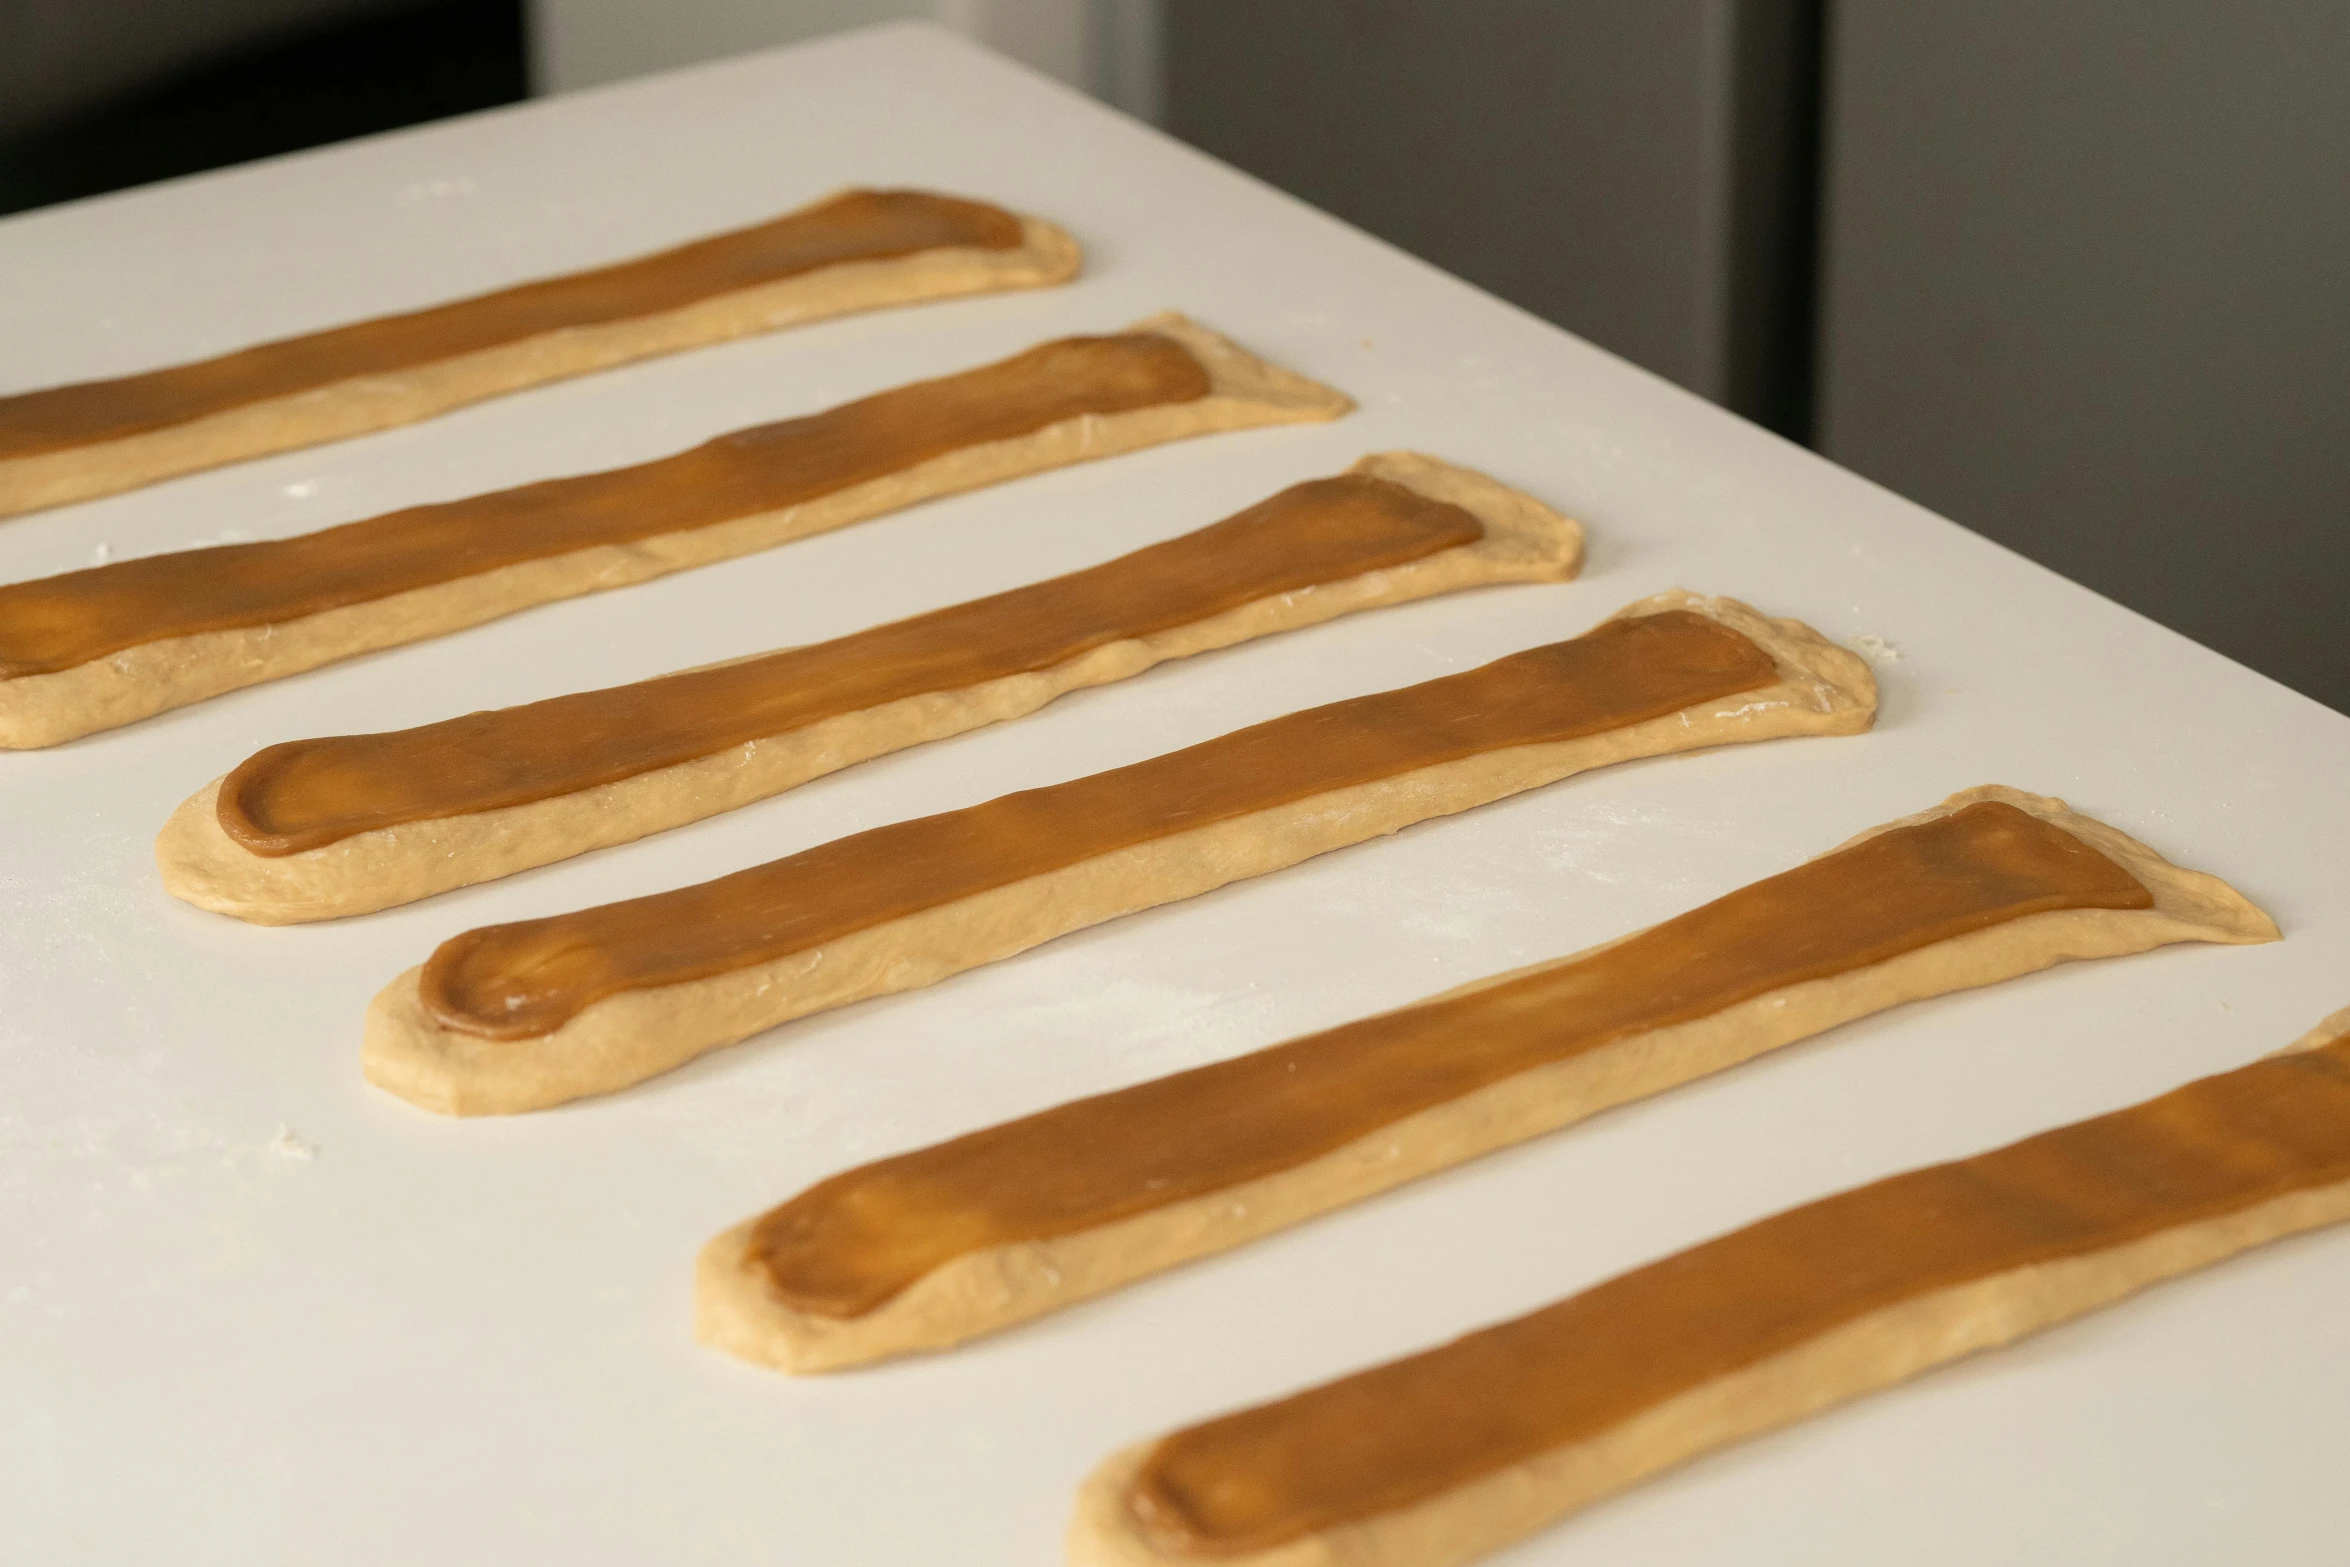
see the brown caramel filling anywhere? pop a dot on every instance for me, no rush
(851, 1243)
(865, 225)
(314, 792)
(515, 981)
(1404, 1432)
(58, 622)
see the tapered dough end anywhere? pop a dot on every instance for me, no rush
(1833, 683)
(1047, 253)
(198, 862)
(2333, 1030)
(731, 1311)
(201, 864)
(1273, 395)
(1544, 545)
(1103, 1531)
(735, 1311)
(1100, 1534)
(406, 1053)
(2198, 905)
(400, 1052)
(1053, 253)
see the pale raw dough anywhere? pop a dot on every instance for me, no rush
(1876, 1351)
(1524, 541)
(154, 677)
(378, 402)
(2336, 1026)
(628, 1037)
(989, 1290)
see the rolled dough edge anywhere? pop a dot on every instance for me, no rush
(364, 404)
(626, 1038)
(987, 1291)
(155, 677)
(1524, 541)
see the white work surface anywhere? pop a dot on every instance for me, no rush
(253, 1311)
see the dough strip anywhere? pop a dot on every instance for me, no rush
(316, 829)
(517, 1017)
(858, 250)
(969, 1236)
(1449, 1455)
(93, 649)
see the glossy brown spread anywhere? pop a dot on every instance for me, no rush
(865, 225)
(846, 1246)
(314, 792)
(513, 981)
(58, 622)
(1573, 1372)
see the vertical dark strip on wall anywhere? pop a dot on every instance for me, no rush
(1775, 168)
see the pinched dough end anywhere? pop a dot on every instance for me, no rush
(735, 1310)
(1273, 395)
(402, 1050)
(1526, 538)
(2333, 1030)
(617, 1043)
(1051, 252)
(405, 1052)
(201, 864)
(2192, 905)
(1832, 682)
(1103, 1531)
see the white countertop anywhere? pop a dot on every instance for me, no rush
(389, 1338)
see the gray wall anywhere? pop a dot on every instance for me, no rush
(1582, 158)
(1106, 47)
(2087, 291)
